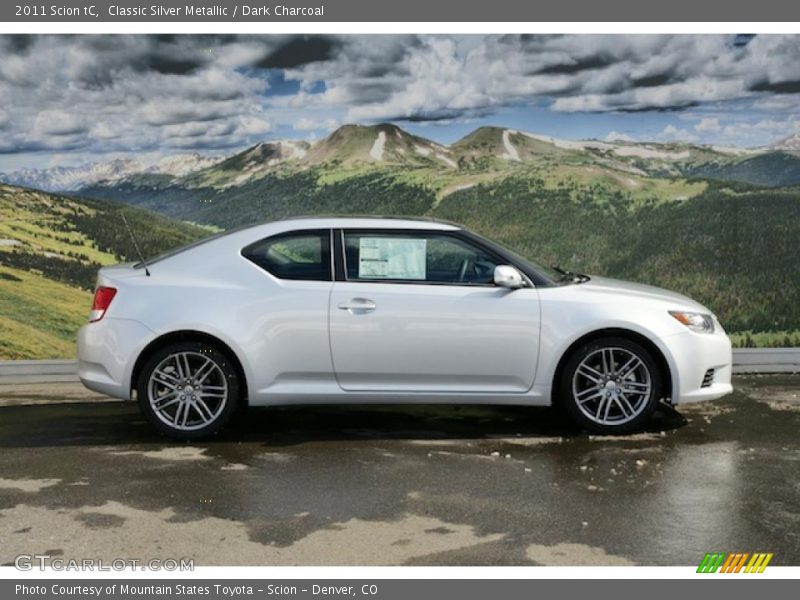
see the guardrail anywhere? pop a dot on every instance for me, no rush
(38, 371)
(766, 360)
(745, 360)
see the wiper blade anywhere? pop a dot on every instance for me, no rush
(576, 277)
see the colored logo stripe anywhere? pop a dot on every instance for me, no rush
(711, 562)
(758, 563)
(734, 562)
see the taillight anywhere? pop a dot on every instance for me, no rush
(102, 300)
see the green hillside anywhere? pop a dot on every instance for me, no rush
(771, 169)
(673, 215)
(731, 246)
(51, 247)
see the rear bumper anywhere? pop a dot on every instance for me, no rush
(691, 356)
(107, 352)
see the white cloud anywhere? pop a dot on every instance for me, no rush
(306, 124)
(708, 124)
(671, 133)
(249, 125)
(616, 136)
(58, 123)
(152, 93)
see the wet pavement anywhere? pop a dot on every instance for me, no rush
(81, 477)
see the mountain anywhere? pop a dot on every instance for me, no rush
(697, 219)
(787, 144)
(679, 215)
(250, 164)
(378, 145)
(50, 249)
(67, 179)
(771, 169)
(485, 150)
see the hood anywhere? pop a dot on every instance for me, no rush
(604, 285)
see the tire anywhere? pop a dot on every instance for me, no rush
(610, 386)
(188, 390)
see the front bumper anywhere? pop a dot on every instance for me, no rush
(107, 351)
(691, 355)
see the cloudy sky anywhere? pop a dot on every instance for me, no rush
(72, 99)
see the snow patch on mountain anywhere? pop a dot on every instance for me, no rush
(376, 152)
(511, 152)
(791, 143)
(447, 160)
(735, 151)
(625, 150)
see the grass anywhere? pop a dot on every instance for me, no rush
(765, 339)
(39, 318)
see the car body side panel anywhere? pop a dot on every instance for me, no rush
(435, 338)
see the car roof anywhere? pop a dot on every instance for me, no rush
(357, 221)
(250, 233)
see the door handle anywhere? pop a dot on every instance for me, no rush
(358, 305)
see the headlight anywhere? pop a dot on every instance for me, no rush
(699, 322)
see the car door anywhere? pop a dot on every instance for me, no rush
(418, 311)
(287, 309)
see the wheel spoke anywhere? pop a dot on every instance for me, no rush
(178, 411)
(185, 413)
(636, 384)
(634, 392)
(600, 405)
(590, 373)
(164, 378)
(187, 366)
(624, 400)
(629, 367)
(608, 409)
(597, 394)
(203, 372)
(589, 390)
(179, 367)
(205, 413)
(158, 402)
(622, 408)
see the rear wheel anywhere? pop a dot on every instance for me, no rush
(188, 390)
(610, 385)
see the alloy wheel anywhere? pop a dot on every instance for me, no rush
(612, 386)
(187, 391)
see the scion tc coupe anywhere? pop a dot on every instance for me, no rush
(376, 310)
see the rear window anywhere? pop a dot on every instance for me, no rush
(299, 255)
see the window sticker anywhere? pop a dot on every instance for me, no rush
(391, 258)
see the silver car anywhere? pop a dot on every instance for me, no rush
(374, 310)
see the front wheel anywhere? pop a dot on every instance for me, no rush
(188, 390)
(610, 385)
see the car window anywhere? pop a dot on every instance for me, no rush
(424, 257)
(301, 255)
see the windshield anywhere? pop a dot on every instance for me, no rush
(547, 273)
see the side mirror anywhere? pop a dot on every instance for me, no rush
(508, 277)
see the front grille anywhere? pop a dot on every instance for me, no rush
(708, 378)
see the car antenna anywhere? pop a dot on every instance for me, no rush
(135, 244)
